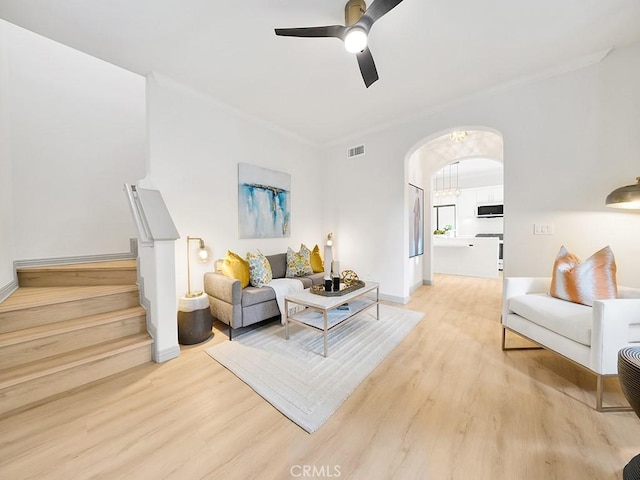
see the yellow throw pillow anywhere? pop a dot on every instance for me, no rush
(316, 260)
(234, 266)
(593, 279)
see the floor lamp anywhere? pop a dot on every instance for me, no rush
(195, 322)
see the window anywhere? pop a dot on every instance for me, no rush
(444, 215)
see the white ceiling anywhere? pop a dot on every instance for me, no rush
(473, 167)
(428, 52)
(476, 166)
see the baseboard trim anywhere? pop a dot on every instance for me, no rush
(107, 257)
(166, 354)
(8, 289)
(394, 299)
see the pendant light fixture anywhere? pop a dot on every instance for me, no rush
(447, 187)
(440, 190)
(627, 197)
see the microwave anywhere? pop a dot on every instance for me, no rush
(490, 211)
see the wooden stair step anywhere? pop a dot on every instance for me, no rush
(28, 345)
(29, 307)
(120, 272)
(41, 331)
(67, 326)
(36, 381)
(30, 297)
(33, 370)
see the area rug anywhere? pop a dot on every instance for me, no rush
(296, 378)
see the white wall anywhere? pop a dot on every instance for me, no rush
(76, 134)
(373, 224)
(6, 190)
(569, 141)
(583, 124)
(195, 145)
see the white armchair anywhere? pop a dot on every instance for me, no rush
(588, 336)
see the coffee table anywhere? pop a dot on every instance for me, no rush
(321, 313)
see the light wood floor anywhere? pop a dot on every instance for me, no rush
(447, 403)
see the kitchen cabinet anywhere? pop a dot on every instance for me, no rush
(494, 194)
(467, 204)
(474, 257)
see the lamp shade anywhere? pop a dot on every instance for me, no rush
(625, 197)
(203, 253)
(203, 256)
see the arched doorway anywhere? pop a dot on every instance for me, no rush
(428, 157)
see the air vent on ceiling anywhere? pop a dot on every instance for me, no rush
(355, 151)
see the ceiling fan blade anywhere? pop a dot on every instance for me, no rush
(337, 31)
(377, 9)
(367, 67)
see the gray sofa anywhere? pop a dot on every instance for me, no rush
(240, 307)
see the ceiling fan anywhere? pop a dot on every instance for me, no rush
(358, 23)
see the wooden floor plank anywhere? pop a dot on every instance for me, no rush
(446, 404)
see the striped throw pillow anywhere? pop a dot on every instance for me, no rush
(584, 282)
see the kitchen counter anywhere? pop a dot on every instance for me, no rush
(469, 256)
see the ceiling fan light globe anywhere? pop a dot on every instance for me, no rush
(356, 40)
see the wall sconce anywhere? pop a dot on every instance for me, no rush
(330, 239)
(203, 256)
(328, 259)
(625, 197)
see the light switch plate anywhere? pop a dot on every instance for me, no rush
(543, 229)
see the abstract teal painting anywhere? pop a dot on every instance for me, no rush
(264, 198)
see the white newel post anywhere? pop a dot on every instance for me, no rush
(157, 268)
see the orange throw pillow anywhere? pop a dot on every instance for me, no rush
(584, 282)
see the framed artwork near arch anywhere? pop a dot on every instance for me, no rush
(416, 221)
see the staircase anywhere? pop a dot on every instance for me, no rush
(66, 326)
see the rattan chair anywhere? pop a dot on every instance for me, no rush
(629, 376)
